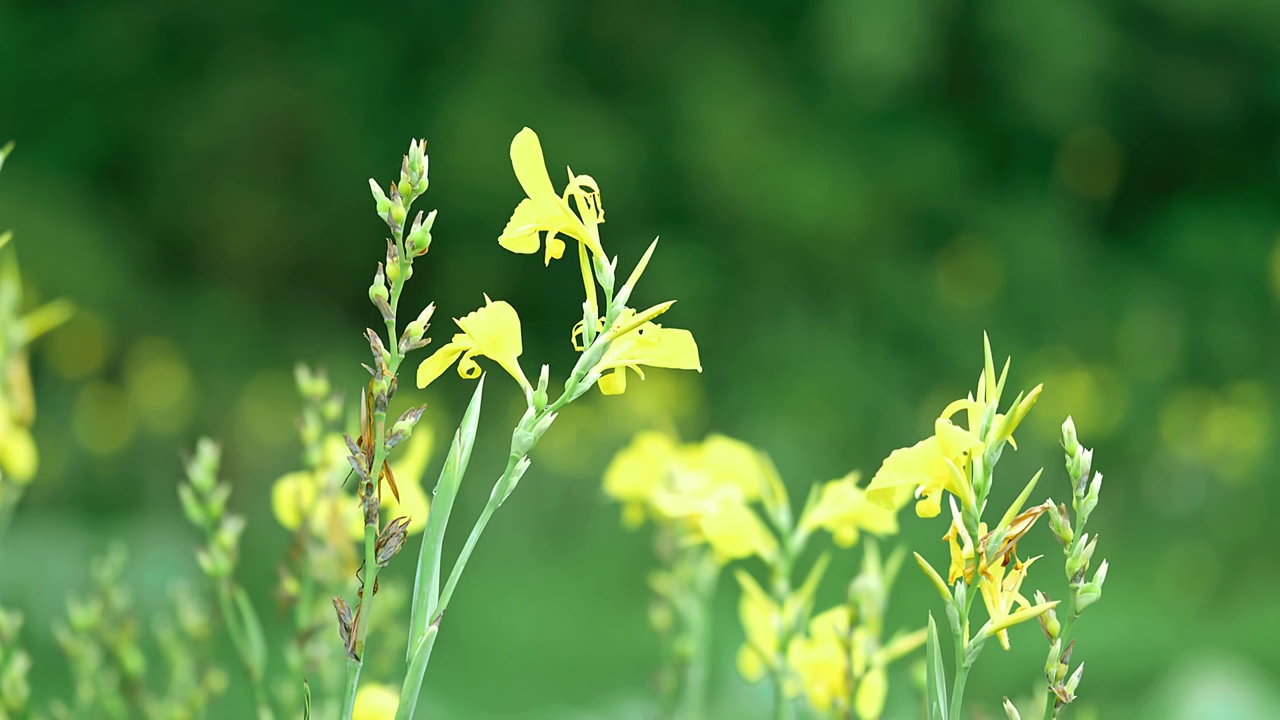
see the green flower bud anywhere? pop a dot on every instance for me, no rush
(1069, 441)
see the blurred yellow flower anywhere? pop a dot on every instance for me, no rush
(492, 331)
(821, 659)
(19, 458)
(375, 701)
(647, 343)
(638, 472)
(761, 620)
(333, 512)
(705, 489)
(844, 510)
(545, 213)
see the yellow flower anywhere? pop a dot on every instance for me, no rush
(411, 464)
(375, 702)
(820, 659)
(935, 464)
(646, 344)
(293, 497)
(761, 618)
(731, 528)
(492, 331)
(1000, 591)
(19, 457)
(545, 212)
(638, 472)
(843, 510)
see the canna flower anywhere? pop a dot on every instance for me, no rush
(543, 213)
(833, 655)
(1000, 591)
(761, 621)
(638, 473)
(728, 525)
(646, 343)
(926, 469)
(492, 331)
(375, 701)
(844, 510)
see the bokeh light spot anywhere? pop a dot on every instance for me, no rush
(102, 419)
(158, 382)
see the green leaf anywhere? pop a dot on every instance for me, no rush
(255, 640)
(426, 582)
(306, 700)
(935, 676)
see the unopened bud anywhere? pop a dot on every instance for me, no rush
(1011, 712)
(1070, 443)
(1074, 681)
(380, 199)
(1049, 620)
(1060, 525)
(1052, 662)
(419, 240)
(540, 392)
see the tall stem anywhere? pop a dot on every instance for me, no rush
(693, 690)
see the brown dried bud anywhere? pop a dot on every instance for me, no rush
(345, 626)
(391, 540)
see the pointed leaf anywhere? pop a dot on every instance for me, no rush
(935, 685)
(426, 583)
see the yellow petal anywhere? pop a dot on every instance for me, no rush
(639, 470)
(530, 167)
(613, 382)
(871, 694)
(439, 361)
(375, 702)
(292, 498)
(494, 331)
(521, 235)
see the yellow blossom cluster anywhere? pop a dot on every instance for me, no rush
(628, 339)
(704, 489)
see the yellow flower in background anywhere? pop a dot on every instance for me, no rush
(821, 659)
(19, 458)
(638, 472)
(1000, 588)
(544, 213)
(844, 510)
(761, 619)
(731, 528)
(411, 465)
(647, 344)
(492, 331)
(334, 512)
(704, 489)
(375, 701)
(929, 467)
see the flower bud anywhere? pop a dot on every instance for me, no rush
(1070, 443)
(419, 240)
(1074, 681)
(380, 199)
(1053, 661)
(1011, 712)
(1060, 525)
(540, 392)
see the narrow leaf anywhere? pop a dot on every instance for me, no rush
(935, 676)
(256, 641)
(426, 582)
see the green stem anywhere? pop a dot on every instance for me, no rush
(960, 639)
(229, 616)
(693, 691)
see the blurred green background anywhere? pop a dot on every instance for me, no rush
(848, 194)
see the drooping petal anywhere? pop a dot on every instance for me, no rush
(521, 235)
(439, 361)
(650, 345)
